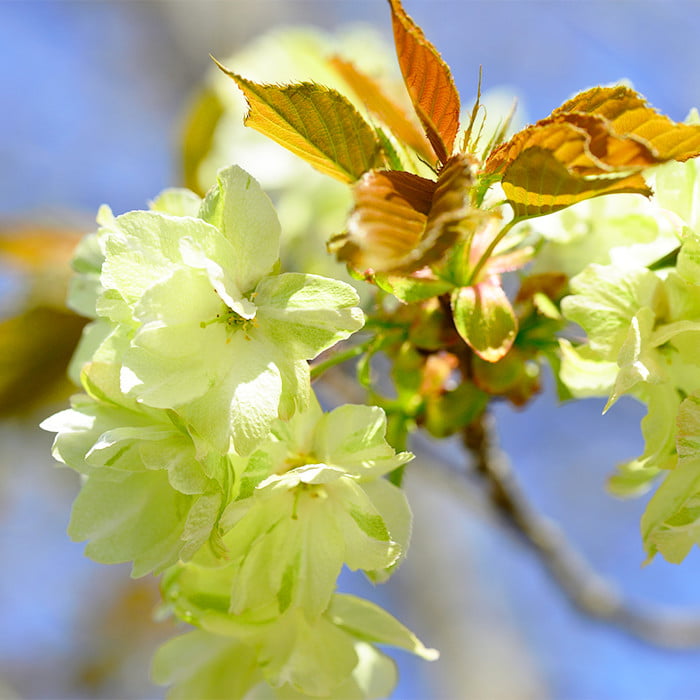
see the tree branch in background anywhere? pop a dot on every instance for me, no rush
(587, 591)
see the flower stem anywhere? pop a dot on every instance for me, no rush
(492, 246)
(339, 358)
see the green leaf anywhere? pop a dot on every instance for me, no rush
(485, 320)
(406, 129)
(314, 122)
(410, 290)
(452, 410)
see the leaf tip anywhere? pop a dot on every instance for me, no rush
(220, 65)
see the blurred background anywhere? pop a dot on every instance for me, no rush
(94, 102)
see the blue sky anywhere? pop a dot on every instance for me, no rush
(94, 94)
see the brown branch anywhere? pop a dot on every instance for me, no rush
(587, 590)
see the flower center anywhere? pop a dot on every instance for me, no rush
(294, 460)
(230, 319)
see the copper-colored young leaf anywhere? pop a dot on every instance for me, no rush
(451, 215)
(429, 82)
(37, 342)
(403, 125)
(41, 255)
(388, 221)
(38, 249)
(567, 158)
(453, 183)
(314, 122)
(485, 319)
(629, 114)
(402, 222)
(536, 183)
(583, 143)
(594, 144)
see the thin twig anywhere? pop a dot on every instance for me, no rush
(587, 590)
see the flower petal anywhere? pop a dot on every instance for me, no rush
(243, 213)
(307, 313)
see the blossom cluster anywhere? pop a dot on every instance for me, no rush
(640, 310)
(206, 457)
